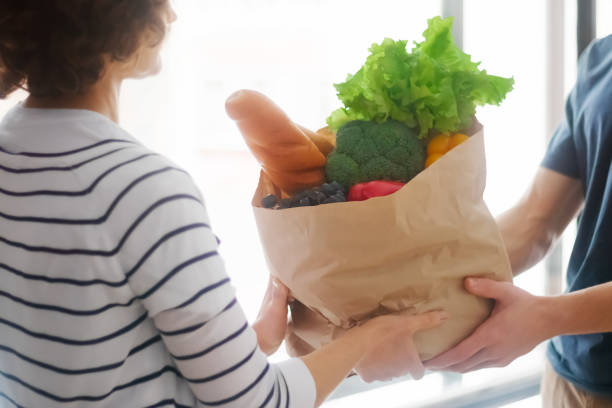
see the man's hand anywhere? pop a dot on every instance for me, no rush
(392, 352)
(271, 322)
(518, 323)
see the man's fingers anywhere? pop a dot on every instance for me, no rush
(427, 320)
(463, 351)
(490, 364)
(480, 366)
(487, 288)
(470, 364)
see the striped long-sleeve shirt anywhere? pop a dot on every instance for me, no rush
(112, 292)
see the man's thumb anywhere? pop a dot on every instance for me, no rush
(486, 288)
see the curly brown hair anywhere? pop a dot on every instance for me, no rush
(58, 47)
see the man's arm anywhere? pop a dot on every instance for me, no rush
(583, 312)
(529, 230)
(507, 334)
(531, 227)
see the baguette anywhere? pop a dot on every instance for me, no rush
(287, 155)
(324, 139)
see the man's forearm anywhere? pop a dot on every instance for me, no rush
(525, 238)
(582, 312)
(530, 228)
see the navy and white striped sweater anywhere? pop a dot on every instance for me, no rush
(112, 293)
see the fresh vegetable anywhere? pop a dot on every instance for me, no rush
(436, 85)
(432, 158)
(457, 139)
(367, 151)
(441, 144)
(371, 189)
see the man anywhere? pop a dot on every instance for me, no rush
(575, 175)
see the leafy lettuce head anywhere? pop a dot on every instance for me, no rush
(435, 86)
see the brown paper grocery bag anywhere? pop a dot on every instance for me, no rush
(347, 262)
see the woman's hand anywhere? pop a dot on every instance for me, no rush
(379, 350)
(391, 352)
(271, 323)
(518, 323)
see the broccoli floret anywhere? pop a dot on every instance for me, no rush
(342, 169)
(367, 151)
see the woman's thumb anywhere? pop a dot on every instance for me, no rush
(279, 290)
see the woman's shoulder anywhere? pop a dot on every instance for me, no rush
(132, 179)
(151, 174)
(150, 194)
(136, 163)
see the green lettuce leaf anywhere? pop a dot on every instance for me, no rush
(435, 86)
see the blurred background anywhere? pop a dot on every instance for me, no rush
(294, 51)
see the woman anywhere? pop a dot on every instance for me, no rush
(112, 292)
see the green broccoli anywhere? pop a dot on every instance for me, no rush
(367, 151)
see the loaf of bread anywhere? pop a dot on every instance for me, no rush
(288, 156)
(324, 139)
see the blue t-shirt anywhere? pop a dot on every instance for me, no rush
(582, 148)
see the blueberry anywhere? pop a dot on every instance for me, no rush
(285, 203)
(318, 197)
(327, 189)
(269, 201)
(337, 186)
(305, 202)
(294, 200)
(332, 199)
(340, 196)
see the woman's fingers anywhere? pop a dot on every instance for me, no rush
(393, 353)
(425, 321)
(415, 366)
(271, 322)
(279, 291)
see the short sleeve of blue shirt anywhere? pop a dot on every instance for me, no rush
(561, 154)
